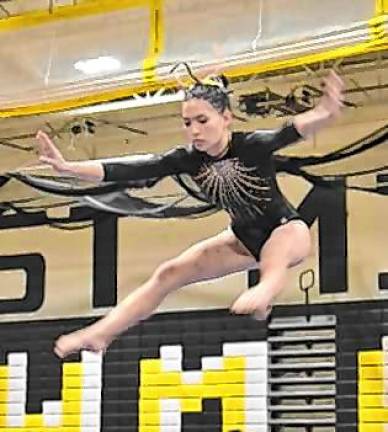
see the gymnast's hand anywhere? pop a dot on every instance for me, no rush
(332, 100)
(49, 154)
(328, 108)
(85, 339)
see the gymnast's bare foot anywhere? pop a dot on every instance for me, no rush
(254, 302)
(84, 339)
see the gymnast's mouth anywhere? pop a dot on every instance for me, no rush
(199, 143)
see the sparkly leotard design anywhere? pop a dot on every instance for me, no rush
(234, 186)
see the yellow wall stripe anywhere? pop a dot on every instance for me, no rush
(381, 7)
(156, 40)
(346, 51)
(154, 85)
(87, 8)
(376, 24)
(81, 101)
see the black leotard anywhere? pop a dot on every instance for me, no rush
(242, 182)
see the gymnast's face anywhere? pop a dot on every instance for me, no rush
(205, 127)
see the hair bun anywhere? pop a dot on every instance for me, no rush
(224, 80)
(219, 81)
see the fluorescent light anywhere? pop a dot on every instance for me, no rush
(97, 65)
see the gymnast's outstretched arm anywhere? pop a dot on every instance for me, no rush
(49, 154)
(137, 167)
(305, 124)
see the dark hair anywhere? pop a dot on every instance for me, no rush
(215, 94)
(213, 89)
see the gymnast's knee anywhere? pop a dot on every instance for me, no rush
(171, 274)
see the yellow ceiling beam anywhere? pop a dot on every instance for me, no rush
(381, 7)
(156, 40)
(86, 8)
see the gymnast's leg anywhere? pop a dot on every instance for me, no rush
(212, 258)
(287, 246)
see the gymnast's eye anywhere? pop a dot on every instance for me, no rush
(187, 123)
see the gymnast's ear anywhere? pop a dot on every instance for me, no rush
(228, 116)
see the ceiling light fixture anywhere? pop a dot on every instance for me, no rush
(97, 65)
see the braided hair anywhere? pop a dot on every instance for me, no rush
(213, 89)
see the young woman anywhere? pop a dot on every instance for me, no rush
(236, 172)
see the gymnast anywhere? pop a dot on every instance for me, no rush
(235, 171)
